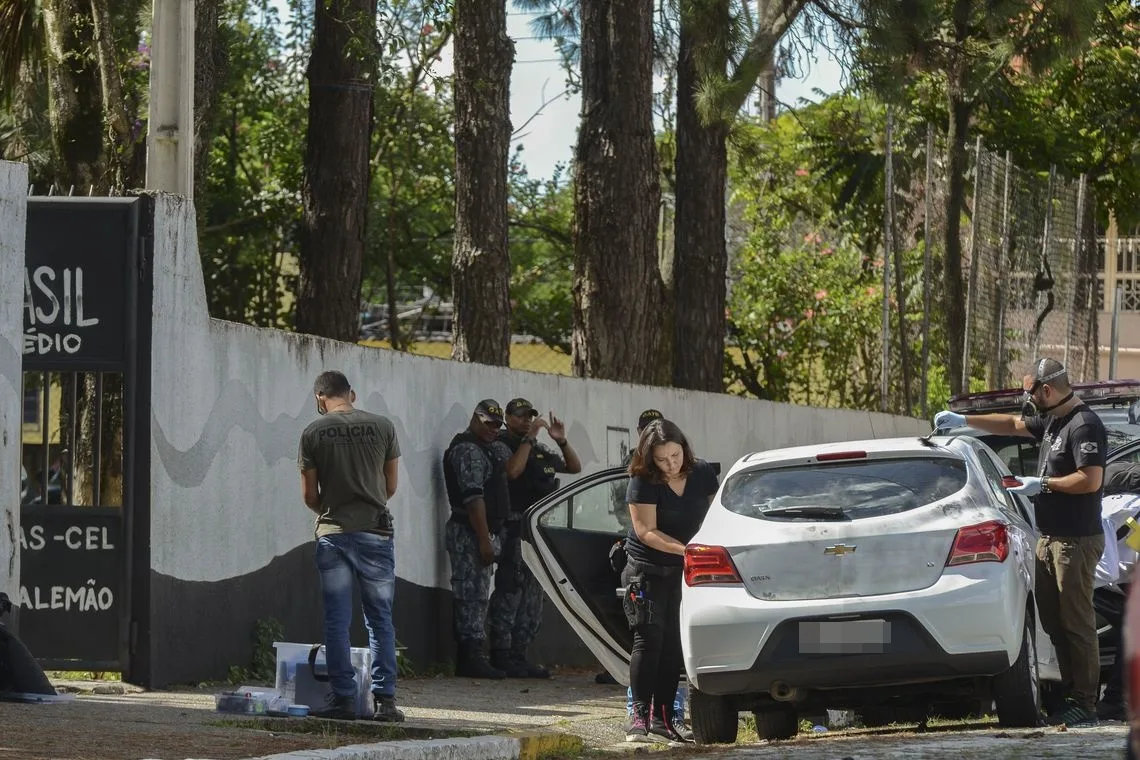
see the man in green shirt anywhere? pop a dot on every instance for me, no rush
(349, 460)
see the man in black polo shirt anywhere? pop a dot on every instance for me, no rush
(1067, 492)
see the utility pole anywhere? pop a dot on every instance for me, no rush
(170, 127)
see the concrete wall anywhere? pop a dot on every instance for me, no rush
(231, 541)
(13, 220)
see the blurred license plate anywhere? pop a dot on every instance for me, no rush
(844, 637)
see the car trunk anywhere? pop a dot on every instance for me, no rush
(873, 525)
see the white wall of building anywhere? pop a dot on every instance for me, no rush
(13, 221)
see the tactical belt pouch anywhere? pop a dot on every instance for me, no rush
(636, 603)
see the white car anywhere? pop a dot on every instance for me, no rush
(865, 575)
(891, 576)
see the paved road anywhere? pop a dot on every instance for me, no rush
(181, 724)
(1101, 743)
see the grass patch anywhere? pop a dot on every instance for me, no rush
(82, 675)
(355, 730)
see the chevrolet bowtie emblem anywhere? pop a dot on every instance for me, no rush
(839, 550)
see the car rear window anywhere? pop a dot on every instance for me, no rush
(866, 488)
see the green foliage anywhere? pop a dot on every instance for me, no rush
(805, 295)
(249, 210)
(263, 664)
(1080, 114)
(542, 256)
(805, 321)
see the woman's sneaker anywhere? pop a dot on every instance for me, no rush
(638, 730)
(664, 726)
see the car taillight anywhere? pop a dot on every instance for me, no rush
(984, 542)
(709, 564)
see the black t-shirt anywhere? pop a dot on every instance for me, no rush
(1068, 444)
(677, 516)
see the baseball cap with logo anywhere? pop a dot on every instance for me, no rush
(489, 410)
(521, 406)
(649, 415)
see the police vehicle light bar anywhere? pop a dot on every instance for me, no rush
(1108, 391)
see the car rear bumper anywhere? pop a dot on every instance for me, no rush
(911, 656)
(969, 623)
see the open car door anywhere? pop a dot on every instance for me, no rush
(568, 537)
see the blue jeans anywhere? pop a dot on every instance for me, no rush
(370, 560)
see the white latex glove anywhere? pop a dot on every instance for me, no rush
(944, 420)
(1030, 486)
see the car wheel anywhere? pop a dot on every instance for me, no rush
(714, 718)
(780, 723)
(1017, 693)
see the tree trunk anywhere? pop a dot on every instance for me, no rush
(480, 264)
(954, 293)
(618, 292)
(336, 184)
(74, 109)
(210, 67)
(119, 146)
(700, 256)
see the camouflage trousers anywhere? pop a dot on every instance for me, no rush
(470, 581)
(516, 605)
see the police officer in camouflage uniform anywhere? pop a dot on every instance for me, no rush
(516, 605)
(475, 467)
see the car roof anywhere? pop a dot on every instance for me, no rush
(901, 445)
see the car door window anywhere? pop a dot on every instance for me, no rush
(993, 480)
(601, 509)
(579, 531)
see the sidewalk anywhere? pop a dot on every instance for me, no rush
(175, 725)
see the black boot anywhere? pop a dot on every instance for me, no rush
(501, 660)
(384, 709)
(337, 707)
(472, 663)
(529, 670)
(663, 723)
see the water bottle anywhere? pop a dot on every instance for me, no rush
(679, 702)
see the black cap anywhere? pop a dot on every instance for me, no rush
(520, 406)
(489, 410)
(1047, 371)
(649, 415)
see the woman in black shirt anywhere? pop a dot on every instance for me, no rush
(669, 494)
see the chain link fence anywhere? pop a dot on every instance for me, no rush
(1031, 264)
(426, 330)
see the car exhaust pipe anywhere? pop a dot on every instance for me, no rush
(782, 692)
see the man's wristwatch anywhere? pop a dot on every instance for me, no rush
(562, 444)
(530, 439)
(1045, 485)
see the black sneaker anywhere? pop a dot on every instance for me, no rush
(385, 710)
(638, 730)
(664, 726)
(1074, 715)
(337, 707)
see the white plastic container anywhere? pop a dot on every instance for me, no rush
(295, 681)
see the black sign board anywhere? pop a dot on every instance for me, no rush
(79, 255)
(71, 571)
